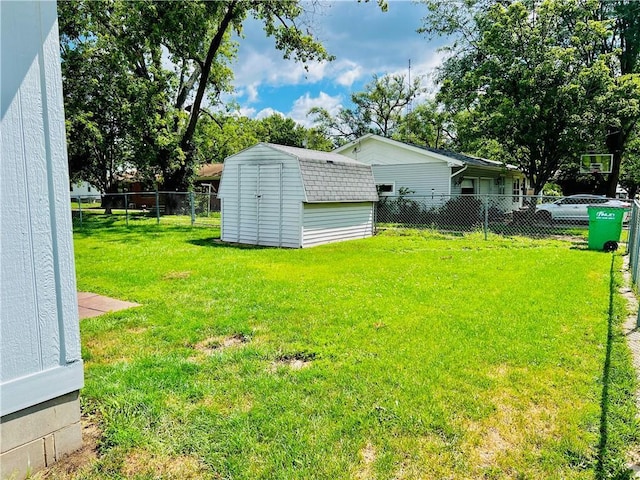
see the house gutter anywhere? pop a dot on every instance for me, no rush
(455, 175)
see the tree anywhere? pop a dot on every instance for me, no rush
(98, 124)
(425, 125)
(621, 109)
(174, 58)
(519, 73)
(630, 174)
(377, 109)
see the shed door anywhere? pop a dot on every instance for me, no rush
(260, 205)
(269, 205)
(247, 213)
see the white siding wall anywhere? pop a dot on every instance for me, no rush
(419, 177)
(83, 188)
(331, 222)
(238, 189)
(39, 333)
(376, 152)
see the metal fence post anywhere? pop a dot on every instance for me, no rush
(157, 207)
(632, 245)
(193, 208)
(80, 209)
(126, 209)
(486, 216)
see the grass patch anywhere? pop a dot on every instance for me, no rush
(407, 355)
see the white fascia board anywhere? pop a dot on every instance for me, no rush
(24, 392)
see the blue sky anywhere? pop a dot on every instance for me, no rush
(364, 40)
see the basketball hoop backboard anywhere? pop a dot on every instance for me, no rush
(596, 163)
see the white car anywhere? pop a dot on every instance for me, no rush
(574, 207)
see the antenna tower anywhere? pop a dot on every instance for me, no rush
(409, 79)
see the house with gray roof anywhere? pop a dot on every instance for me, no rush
(282, 196)
(428, 172)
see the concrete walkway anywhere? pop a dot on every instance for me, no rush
(92, 305)
(632, 332)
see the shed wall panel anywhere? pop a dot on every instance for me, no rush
(325, 223)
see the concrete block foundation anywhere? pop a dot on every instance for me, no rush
(38, 436)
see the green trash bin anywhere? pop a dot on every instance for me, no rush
(605, 227)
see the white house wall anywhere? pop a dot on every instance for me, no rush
(39, 332)
(375, 152)
(331, 222)
(423, 179)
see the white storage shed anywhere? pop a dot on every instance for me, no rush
(282, 196)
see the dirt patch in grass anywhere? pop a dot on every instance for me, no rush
(176, 275)
(216, 344)
(142, 463)
(78, 462)
(295, 361)
(493, 444)
(368, 456)
(517, 425)
(137, 330)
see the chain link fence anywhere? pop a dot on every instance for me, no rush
(535, 216)
(633, 243)
(140, 208)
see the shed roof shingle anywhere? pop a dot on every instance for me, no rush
(331, 177)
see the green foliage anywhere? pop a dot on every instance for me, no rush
(150, 66)
(425, 125)
(544, 81)
(377, 109)
(524, 83)
(220, 135)
(552, 189)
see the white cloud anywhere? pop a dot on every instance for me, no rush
(252, 92)
(257, 68)
(267, 112)
(365, 41)
(303, 104)
(348, 72)
(246, 112)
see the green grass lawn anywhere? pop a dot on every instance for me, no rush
(407, 355)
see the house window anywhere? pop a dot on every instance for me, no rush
(89, 189)
(385, 188)
(516, 190)
(468, 186)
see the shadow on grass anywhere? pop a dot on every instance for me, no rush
(215, 242)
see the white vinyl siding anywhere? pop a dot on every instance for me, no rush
(331, 222)
(373, 152)
(265, 200)
(279, 220)
(424, 179)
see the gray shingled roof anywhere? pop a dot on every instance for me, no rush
(331, 177)
(469, 160)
